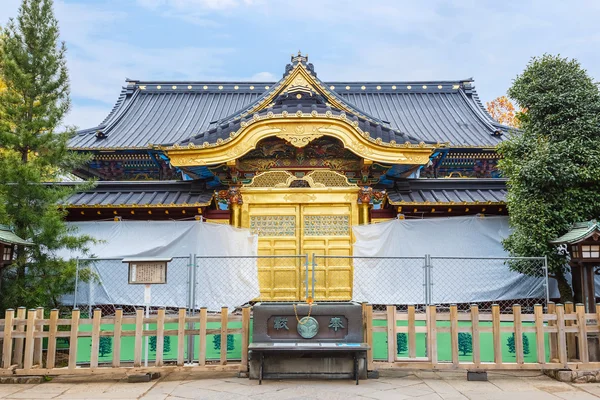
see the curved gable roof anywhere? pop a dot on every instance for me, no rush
(154, 112)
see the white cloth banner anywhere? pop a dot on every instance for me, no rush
(454, 280)
(220, 282)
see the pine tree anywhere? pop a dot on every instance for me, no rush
(465, 343)
(166, 344)
(401, 343)
(217, 342)
(510, 343)
(32, 108)
(105, 345)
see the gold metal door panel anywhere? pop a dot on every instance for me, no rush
(276, 227)
(326, 230)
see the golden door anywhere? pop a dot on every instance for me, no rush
(294, 229)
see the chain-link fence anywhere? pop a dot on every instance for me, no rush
(192, 282)
(222, 281)
(489, 280)
(231, 280)
(104, 283)
(428, 280)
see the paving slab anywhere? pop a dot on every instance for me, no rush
(393, 384)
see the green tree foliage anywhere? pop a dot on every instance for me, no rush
(217, 342)
(105, 345)
(166, 344)
(401, 343)
(465, 343)
(32, 151)
(510, 343)
(552, 163)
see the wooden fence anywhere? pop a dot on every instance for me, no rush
(23, 336)
(561, 338)
(566, 329)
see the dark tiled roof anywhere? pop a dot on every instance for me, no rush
(448, 191)
(169, 112)
(142, 194)
(288, 104)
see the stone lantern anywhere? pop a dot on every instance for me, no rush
(583, 243)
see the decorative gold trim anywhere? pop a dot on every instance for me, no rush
(320, 178)
(263, 126)
(299, 138)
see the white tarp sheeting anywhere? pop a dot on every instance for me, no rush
(220, 282)
(454, 280)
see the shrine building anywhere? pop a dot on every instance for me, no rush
(298, 162)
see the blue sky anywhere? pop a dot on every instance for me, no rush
(383, 40)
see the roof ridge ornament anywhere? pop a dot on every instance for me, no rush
(299, 58)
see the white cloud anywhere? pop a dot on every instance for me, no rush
(264, 77)
(86, 116)
(186, 5)
(196, 11)
(98, 65)
(347, 40)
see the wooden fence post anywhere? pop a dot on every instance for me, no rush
(52, 329)
(116, 361)
(19, 343)
(202, 336)
(552, 336)
(539, 333)
(584, 355)
(370, 364)
(245, 337)
(160, 337)
(571, 349)
(454, 333)
(30, 339)
(412, 333)
(561, 336)
(181, 337)
(518, 332)
(73, 342)
(475, 334)
(139, 331)
(37, 342)
(391, 333)
(224, 319)
(432, 335)
(8, 341)
(496, 334)
(95, 347)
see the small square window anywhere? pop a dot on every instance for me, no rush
(7, 255)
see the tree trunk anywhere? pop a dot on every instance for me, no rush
(564, 288)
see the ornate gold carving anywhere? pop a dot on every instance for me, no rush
(299, 132)
(326, 225)
(299, 197)
(300, 138)
(315, 179)
(324, 178)
(272, 179)
(273, 225)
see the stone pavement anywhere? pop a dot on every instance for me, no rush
(395, 385)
